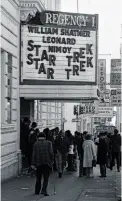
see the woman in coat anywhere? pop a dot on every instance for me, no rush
(89, 154)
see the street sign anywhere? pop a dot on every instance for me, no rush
(115, 76)
(102, 79)
(89, 108)
(99, 120)
(116, 97)
(105, 112)
(104, 128)
(76, 120)
(107, 96)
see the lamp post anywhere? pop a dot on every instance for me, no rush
(77, 6)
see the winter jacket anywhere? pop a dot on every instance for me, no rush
(42, 153)
(116, 143)
(89, 153)
(62, 145)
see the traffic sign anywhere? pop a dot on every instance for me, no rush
(105, 112)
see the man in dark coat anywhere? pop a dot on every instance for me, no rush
(102, 153)
(42, 159)
(116, 149)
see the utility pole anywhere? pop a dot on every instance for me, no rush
(77, 6)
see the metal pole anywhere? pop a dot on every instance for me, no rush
(77, 6)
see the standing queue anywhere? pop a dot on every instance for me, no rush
(60, 150)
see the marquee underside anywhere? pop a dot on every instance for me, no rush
(57, 92)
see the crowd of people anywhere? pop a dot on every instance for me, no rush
(58, 150)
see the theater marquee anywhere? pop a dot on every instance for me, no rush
(61, 51)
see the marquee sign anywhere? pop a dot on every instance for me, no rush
(102, 79)
(104, 128)
(61, 51)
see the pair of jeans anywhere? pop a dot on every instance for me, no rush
(60, 162)
(103, 170)
(43, 170)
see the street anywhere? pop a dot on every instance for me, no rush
(69, 188)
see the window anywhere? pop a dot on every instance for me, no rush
(9, 88)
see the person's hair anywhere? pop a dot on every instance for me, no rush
(102, 134)
(85, 133)
(88, 137)
(68, 133)
(26, 120)
(34, 124)
(46, 130)
(41, 135)
(115, 131)
(57, 129)
(79, 134)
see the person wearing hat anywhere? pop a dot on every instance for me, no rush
(102, 153)
(42, 159)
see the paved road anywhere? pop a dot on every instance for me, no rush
(68, 188)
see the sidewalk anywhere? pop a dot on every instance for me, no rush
(68, 188)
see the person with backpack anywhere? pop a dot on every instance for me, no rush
(34, 131)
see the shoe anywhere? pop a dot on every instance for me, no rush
(60, 175)
(118, 170)
(101, 176)
(44, 193)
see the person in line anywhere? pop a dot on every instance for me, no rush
(116, 149)
(75, 152)
(89, 154)
(84, 138)
(56, 131)
(46, 131)
(102, 153)
(52, 139)
(71, 150)
(80, 141)
(24, 133)
(34, 131)
(61, 150)
(42, 159)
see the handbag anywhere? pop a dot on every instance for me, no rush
(93, 163)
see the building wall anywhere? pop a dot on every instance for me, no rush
(52, 4)
(10, 19)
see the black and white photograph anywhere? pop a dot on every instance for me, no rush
(61, 100)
